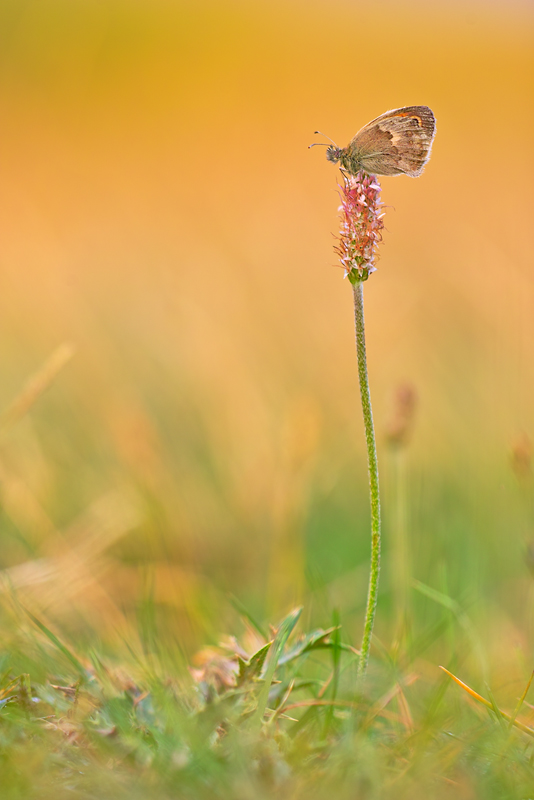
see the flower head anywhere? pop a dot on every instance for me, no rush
(362, 222)
(521, 456)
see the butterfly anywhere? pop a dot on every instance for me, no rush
(395, 143)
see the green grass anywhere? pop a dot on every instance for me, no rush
(76, 724)
(134, 665)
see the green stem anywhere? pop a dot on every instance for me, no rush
(373, 478)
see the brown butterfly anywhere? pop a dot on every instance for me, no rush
(396, 143)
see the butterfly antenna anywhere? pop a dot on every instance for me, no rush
(322, 144)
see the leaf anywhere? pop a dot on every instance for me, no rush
(316, 640)
(336, 655)
(284, 631)
(251, 669)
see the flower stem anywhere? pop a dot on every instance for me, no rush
(373, 477)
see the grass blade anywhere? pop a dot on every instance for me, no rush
(489, 705)
(517, 709)
(60, 646)
(35, 386)
(242, 611)
(462, 618)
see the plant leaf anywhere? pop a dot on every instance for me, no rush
(284, 631)
(251, 669)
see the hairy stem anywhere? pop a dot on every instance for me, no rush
(373, 477)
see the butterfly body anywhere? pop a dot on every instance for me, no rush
(396, 143)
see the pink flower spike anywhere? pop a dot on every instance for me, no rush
(361, 225)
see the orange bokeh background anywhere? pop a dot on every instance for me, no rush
(160, 209)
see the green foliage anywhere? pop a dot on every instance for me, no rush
(287, 720)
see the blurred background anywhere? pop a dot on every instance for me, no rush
(163, 221)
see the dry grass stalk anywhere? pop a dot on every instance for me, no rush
(34, 387)
(511, 719)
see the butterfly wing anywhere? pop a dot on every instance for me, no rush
(398, 142)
